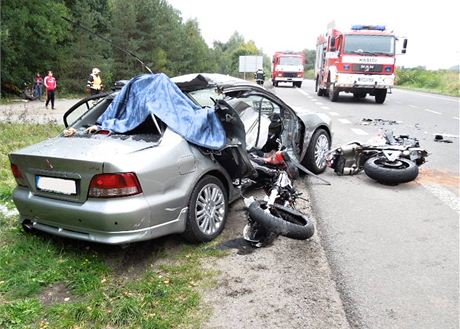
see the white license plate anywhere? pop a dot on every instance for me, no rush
(366, 80)
(56, 185)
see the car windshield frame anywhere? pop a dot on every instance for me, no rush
(369, 44)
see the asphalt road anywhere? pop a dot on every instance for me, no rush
(394, 250)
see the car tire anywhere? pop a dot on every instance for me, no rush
(298, 84)
(391, 172)
(207, 210)
(315, 157)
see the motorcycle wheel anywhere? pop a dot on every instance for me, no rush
(282, 220)
(391, 172)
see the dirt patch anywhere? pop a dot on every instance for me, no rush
(285, 285)
(440, 177)
(57, 293)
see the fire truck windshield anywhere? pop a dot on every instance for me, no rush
(290, 60)
(369, 44)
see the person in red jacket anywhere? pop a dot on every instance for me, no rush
(50, 85)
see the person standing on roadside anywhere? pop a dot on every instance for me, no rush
(94, 83)
(38, 86)
(50, 85)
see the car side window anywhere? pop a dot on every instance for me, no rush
(266, 106)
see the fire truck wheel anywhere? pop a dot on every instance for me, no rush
(333, 93)
(318, 90)
(380, 95)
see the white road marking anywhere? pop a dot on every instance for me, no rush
(344, 121)
(398, 102)
(447, 135)
(319, 103)
(447, 197)
(302, 92)
(431, 111)
(325, 107)
(445, 98)
(358, 131)
(455, 118)
(334, 114)
(413, 106)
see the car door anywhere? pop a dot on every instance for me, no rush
(270, 109)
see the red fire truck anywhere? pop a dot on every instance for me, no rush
(361, 62)
(288, 67)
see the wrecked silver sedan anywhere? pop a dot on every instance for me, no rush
(158, 156)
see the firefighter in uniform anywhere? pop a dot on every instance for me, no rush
(95, 82)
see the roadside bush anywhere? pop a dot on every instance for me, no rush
(441, 81)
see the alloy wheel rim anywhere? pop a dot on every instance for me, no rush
(210, 209)
(321, 147)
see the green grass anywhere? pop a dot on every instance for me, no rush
(13, 137)
(441, 82)
(49, 282)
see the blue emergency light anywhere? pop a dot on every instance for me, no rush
(368, 27)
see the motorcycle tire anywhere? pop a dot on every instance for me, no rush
(282, 220)
(391, 172)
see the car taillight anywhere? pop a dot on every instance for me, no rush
(16, 172)
(18, 175)
(114, 185)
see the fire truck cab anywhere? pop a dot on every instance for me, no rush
(288, 67)
(361, 61)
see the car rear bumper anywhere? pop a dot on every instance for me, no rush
(116, 221)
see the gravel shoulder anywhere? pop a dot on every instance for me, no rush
(286, 285)
(35, 111)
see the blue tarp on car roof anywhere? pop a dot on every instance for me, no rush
(156, 94)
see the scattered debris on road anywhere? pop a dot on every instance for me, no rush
(377, 122)
(440, 139)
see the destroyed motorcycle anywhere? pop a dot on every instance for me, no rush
(393, 161)
(276, 215)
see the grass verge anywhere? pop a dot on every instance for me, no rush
(49, 282)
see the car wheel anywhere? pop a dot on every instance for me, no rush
(315, 158)
(207, 210)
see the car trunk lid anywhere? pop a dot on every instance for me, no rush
(62, 168)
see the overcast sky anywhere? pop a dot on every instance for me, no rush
(432, 28)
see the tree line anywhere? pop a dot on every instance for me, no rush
(36, 37)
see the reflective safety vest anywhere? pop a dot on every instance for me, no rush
(94, 82)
